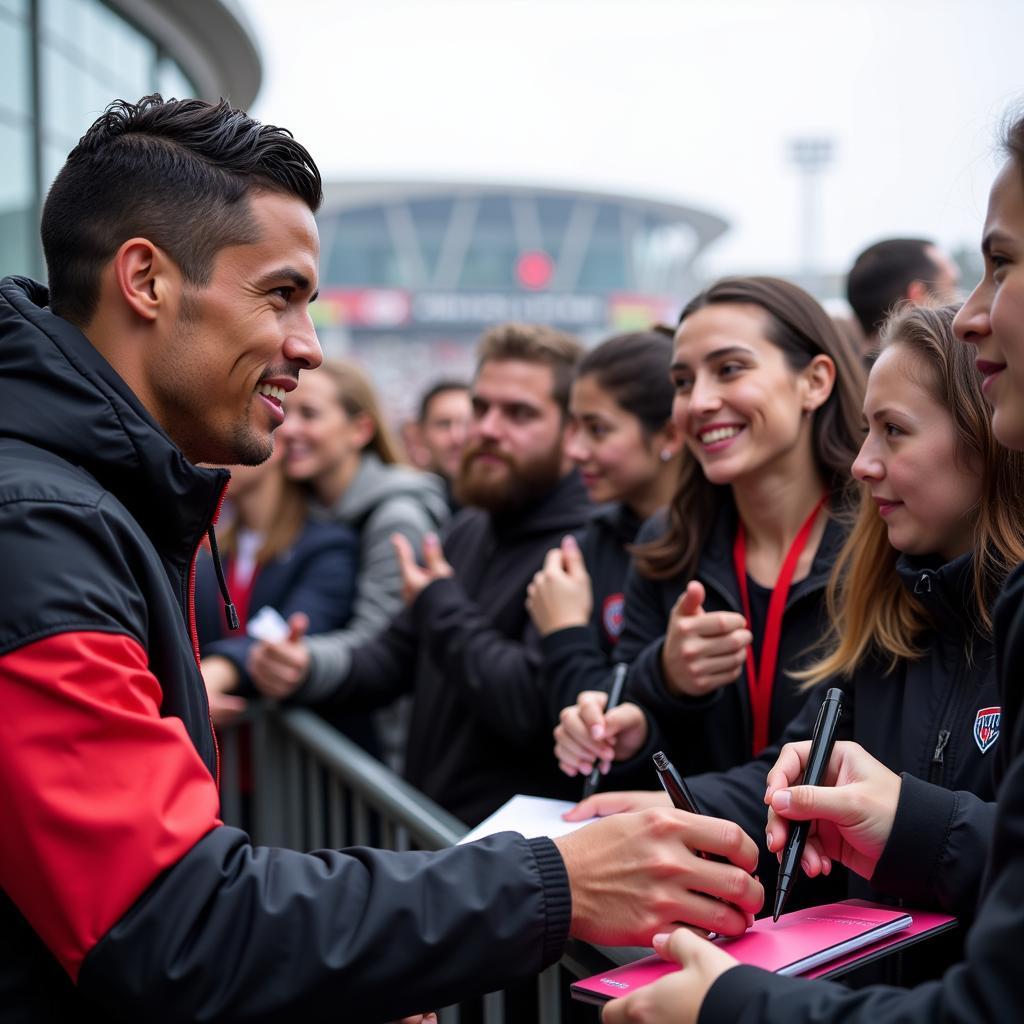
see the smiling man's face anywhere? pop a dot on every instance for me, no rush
(217, 383)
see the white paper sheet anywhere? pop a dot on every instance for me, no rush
(530, 816)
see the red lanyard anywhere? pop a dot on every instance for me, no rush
(761, 679)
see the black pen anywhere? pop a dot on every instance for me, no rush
(821, 752)
(672, 781)
(618, 681)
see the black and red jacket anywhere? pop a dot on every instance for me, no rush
(122, 895)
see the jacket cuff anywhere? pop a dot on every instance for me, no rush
(919, 835)
(564, 641)
(652, 688)
(329, 664)
(435, 596)
(741, 991)
(557, 898)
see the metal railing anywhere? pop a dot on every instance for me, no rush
(293, 780)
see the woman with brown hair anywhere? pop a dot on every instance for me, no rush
(851, 819)
(273, 555)
(938, 529)
(728, 589)
(337, 445)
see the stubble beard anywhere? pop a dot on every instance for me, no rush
(184, 402)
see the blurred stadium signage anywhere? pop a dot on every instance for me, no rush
(388, 308)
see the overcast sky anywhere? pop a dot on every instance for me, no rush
(687, 100)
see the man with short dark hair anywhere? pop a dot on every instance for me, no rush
(897, 270)
(441, 430)
(182, 245)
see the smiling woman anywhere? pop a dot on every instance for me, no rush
(728, 591)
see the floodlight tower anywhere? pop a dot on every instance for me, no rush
(810, 155)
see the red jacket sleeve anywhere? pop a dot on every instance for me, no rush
(97, 786)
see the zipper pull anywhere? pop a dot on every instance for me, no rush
(923, 584)
(940, 746)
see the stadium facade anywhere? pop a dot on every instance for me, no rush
(412, 272)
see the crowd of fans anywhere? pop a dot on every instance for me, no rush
(744, 508)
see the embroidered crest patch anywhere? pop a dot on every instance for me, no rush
(986, 728)
(612, 615)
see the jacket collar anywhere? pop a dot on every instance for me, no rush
(58, 393)
(945, 590)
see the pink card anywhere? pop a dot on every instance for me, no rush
(812, 942)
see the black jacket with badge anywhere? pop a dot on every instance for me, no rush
(988, 985)
(481, 722)
(926, 720)
(715, 732)
(581, 657)
(122, 895)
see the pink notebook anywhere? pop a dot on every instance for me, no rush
(812, 942)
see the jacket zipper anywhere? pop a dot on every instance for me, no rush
(938, 757)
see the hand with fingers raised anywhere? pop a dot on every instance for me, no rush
(703, 651)
(560, 594)
(416, 577)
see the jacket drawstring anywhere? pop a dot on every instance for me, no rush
(229, 607)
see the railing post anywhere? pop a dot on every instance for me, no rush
(549, 998)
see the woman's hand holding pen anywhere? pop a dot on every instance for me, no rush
(560, 595)
(852, 811)
(703, 651)
(585, 735)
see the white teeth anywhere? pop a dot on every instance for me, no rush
(271, 391)
(721, 434)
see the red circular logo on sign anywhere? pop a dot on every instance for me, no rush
(534, 270)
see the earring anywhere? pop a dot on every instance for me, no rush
(666, 454)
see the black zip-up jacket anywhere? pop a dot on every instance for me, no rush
(924, 720)
(987, 987)
(466, 649)
(122, 895)
(581, 657)
(715, 732)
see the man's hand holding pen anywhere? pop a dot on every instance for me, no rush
(852, 811)
(636, 875)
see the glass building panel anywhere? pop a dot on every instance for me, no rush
(661, 253)
(363, 253)
(90, 56)
(15, 80)
(431, 217)
(18, 8)
(62, 19)
(490, 260)
(171, 81)
(554, 213)
(128, 56)
(17, 214)
(604, 266)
